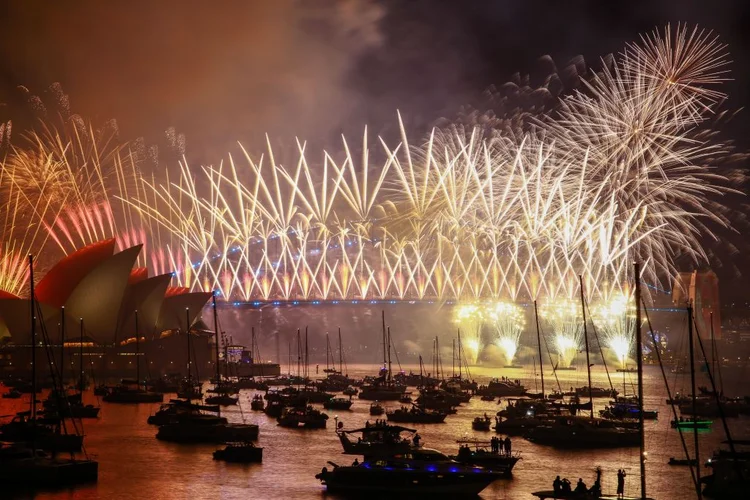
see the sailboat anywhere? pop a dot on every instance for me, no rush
(569, 432)
(222, 390)
(383, 388)
(335, 379)
(605, 436)
(63, 404)
(22, 463)
(126, 393)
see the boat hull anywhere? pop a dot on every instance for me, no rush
(370, 482)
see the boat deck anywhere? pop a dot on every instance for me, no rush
(542, 495)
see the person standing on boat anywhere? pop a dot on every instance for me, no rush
(557, 485)
(621, 483)
(507, 445)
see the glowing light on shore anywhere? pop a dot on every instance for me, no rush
(470, 319)
(563, 316)
(616, 320)
(508, 322)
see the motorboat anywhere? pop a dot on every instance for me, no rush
(421, 472)
(222, 400)
(482, 455)
(416, 415)
(687, 423)
(378, 440)
(199, 430)
(306, 417)
(481, 423)
(683, 461)
(244, 452)
(376, 409)
(581, 432)
(338, 404)
(257, 403)
(177, 410)
(502, 388)
(131, 395)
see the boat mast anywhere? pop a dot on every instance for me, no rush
(137, 354)
(62, 344)
(299, 354)
(382, 312)
(639, 365)
(715, 357)
(460, 375)
(80, 360)
(692, 386)
(586, 342)
(539, 345)
(187, 334)
(389, 354)
(216, 334)
(341, 355)
(33, 356)
(328, 350)
(307, 358)
(453, 358)
(437, 357)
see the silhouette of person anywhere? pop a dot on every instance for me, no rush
(355, 463)
(580, 486)
(557, 485)
(565, 485)
(507, 445)
(621, 483)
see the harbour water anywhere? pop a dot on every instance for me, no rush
(134, 464)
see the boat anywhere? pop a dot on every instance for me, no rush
(730, 471)
(419, 473)
(488, 397)
(481, 423)
(596, 392)
(222, 400)
(350, 391)
(576, 433)
(378, 440)
(683, 423)
(126, 394)
(306, 417)
(383, 387)
(338, 404)
(416, 415)
(376, 409)
(244, 452)
(12, 394)
(43, 432)
(572, 432)
(682, 461)
(483, 456)
(619, 411)
(190, 390)
(405, 399)
(22, 464)
(257, 403)
(502, 388)
(23, 468)
(178, 409)
(205, 430)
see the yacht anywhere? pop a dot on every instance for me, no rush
(306, 417)
(417, 415)
(380, 439)
(421, 471)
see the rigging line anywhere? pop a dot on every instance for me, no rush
(669, 393)
(727, 433)
(549, 354)
(598, 342)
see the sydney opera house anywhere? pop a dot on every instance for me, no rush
(92, 304)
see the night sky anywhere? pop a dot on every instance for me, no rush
(225, 71)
